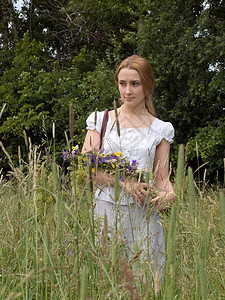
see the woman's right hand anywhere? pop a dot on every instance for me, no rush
(136, 190)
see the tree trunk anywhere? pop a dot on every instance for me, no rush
(12, 19)
(5, 32)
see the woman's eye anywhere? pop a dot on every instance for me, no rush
(135, 83)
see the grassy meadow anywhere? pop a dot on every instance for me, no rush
(51, 247)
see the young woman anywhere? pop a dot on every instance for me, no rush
(145, 139)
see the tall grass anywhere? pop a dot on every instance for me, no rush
(51, 245)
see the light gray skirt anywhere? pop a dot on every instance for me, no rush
(137, 231)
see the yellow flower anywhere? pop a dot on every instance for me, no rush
(84, 159)
(93, 170)
(113, 166)
(75, 147)
(118, 153)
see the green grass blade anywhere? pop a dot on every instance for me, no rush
(84, 284)
(222, 208)
(191, 192)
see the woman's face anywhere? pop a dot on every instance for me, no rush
(130, 87)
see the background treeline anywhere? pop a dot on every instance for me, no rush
(57, 55)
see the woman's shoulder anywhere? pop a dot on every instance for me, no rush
(163, 129)
(94, 120)
(96, 114)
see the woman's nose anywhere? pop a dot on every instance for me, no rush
(128, 89)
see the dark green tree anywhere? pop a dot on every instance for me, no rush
(185, 43)
(72, 51)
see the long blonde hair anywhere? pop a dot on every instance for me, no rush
(143, 67)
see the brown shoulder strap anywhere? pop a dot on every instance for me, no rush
(104, 124)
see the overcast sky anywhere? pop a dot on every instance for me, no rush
(18, 4)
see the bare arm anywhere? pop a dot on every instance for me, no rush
(163, 188)
(92, 141)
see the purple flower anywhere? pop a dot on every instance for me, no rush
(99, 160)
(121, 178)
(69, 252)
(94, 160)
(89, 155)
(134, 163)
(105, 159)
(65, 155)
(130, 169)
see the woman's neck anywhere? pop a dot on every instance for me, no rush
(134, 110)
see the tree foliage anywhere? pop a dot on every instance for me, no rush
(185, 43)
(55, 53)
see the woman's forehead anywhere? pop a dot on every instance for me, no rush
(128, 74)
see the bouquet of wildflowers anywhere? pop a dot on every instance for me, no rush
(108, 163)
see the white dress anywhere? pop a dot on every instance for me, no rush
(136, 144)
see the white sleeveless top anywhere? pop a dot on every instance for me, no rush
(135, 143)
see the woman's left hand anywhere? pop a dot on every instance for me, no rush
(160, 199)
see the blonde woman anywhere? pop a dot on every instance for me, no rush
(145, 139)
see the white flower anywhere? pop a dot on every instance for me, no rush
(139, 171)
(75, 147)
